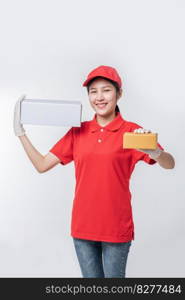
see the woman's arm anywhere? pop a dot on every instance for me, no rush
(164, 159)
(35, 157)
(40, 162)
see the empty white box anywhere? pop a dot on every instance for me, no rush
(51, 112)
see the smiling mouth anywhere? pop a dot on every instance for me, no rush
(101, 105)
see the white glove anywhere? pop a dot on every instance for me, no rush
(154, 154)
(18, 127)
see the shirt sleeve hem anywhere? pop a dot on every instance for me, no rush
(63, 160)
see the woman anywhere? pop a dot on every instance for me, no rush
(102, 226)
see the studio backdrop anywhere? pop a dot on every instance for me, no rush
(47, 49)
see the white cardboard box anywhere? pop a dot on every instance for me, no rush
(51, 112)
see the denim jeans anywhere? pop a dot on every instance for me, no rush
(101, 259)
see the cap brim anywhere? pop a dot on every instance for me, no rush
(89, 79)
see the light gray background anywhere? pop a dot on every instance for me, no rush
(47, 49)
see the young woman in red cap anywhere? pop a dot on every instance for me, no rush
(102, 224)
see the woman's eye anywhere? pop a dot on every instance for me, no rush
(104, 91)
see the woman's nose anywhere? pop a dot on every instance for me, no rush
(99, 96)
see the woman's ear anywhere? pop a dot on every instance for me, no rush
(120, 93)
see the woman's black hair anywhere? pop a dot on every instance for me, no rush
(115, 84)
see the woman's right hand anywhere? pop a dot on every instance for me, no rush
(18, 127)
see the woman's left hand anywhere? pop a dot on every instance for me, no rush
(152, 153)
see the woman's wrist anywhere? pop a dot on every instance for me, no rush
(154, 154)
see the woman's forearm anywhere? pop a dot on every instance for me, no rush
(166, 160)
(35, 156)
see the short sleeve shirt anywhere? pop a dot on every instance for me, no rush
(102, 209)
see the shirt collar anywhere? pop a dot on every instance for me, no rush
(114, 125)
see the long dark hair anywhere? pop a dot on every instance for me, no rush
(111, 81)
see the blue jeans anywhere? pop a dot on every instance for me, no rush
(101, 259)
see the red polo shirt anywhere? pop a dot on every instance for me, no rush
(102, 208)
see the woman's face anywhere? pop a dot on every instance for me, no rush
(103, 97)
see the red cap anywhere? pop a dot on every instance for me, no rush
(104, 71)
